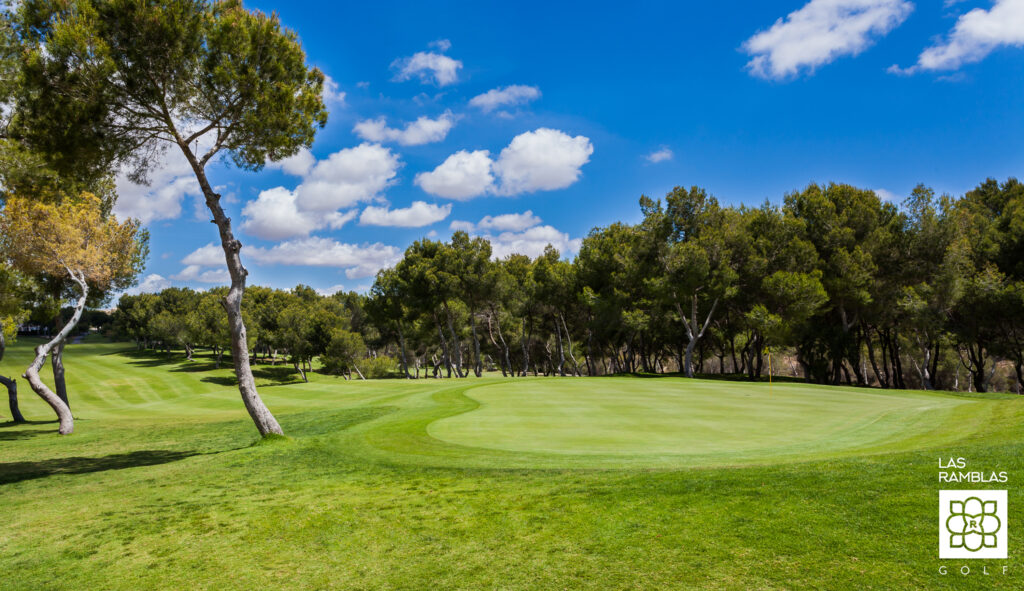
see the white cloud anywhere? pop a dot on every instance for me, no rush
(161, 200)
(660, 155)
(889, 196)
(348, 177)
(541, 160)
(531, 242)
(510, 222)
(210, 255)
(463, 175)
(820, 32)
(329, 291)
(151, 283)
(417, 215)
(332, 96)
(516, 94)
(463, 225)
(358, 261)
(297, 165)
(975, 35)
(196, 273)
(343, 179)
(422, 131)
(442, 45)
(428, 66)
(275, 215)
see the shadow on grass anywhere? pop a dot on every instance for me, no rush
(8, 434)
(12, 472)
(727, 377)
(268, 375)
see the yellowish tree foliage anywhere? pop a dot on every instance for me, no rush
(70, 239)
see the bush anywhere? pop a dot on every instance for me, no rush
(378, 367)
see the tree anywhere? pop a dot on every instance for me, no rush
(469, 262)
(75, 242)
(208, 78)
(386, 308)
(344, 348)
(12, 313)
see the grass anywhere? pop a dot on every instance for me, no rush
(549, 483)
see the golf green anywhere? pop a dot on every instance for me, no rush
(489, 483)
(701, 422)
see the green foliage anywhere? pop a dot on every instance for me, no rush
(343, 352)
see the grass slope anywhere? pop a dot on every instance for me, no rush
(603, 483)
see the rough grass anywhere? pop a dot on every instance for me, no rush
(485, 484)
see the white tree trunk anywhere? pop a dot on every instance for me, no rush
(260, 414)
(67, 423)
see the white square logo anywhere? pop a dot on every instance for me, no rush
(972, 524)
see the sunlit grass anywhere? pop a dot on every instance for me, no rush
(471, 484)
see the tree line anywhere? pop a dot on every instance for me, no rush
(842, 286)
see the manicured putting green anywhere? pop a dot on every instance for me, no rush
(701, 420)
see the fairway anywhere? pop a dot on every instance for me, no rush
(535, 483)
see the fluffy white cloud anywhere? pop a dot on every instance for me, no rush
(541, 160)
(210, 255)
(196, 273)
(531, 242)
(275, 215)
(348, 177)
(422, 131)
(332, 96)
(358, 261)
(975, 35)
(509, 222)
(151, 283)
(417, 215)
(463, 175)
(429, 65)
(820, 32)
(509, 96)
(344, 179)
(462, 225)
(660, 155)
(298, 165)
(170, 182)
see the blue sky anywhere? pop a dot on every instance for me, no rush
(470, 114)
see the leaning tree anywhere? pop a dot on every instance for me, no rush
(71, 240)
(204, 77)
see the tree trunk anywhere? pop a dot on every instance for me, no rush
(10, 383)
(526, 350)
(298, 368)
(67, 422)
(265, 422)
(691, 330)
(405, 359)
(457, 360)
(561, 350)
(568, 338)
(57, 365)
(444, 347)
(478, 368)
(12, 398)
